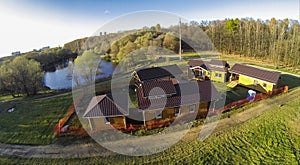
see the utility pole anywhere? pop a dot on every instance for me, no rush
(179, 39)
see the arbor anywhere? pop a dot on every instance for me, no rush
(21, 76)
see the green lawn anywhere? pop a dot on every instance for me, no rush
(32, 121)
(271, 138)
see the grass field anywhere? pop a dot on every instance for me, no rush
(32, 122)
(262, 62)
(271, 138)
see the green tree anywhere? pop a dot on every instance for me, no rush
(129, 47)
(21, 76)
(171, 42)
(86, 67)
(158, 28)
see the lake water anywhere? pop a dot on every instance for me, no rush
(61, 78)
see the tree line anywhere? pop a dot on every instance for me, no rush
(276, 41)
(48, 58)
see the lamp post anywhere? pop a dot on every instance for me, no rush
(179, 38)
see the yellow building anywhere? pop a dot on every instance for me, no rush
(215, 70)
(258, 79)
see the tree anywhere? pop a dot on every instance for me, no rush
(158, 28)
(21, 76)
(171, 42)
(85, 68)
(129, 47)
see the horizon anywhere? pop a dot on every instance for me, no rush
(54, 23)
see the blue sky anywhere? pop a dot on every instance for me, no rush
(31, 24)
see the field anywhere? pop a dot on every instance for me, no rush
(271, 138)
(32, 121)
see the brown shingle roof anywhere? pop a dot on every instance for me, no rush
(104, 106)
(158, 72)
(265, 75)
(194, 63)
(166, 85)
(210, 65)
(186, 95)
(219, 63)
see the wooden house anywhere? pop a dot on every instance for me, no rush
(159, 96)
(215, 70)
(166, 100)
(156, 73)
(102, 112)
(258, 79)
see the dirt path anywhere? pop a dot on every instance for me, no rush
(94, 149)
(53, 96)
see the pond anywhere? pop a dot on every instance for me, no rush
(61, 78)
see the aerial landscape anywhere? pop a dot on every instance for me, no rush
(150, 82)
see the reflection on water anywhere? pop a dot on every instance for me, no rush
(61, 78)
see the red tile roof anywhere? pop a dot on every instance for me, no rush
(158, 72)
(186, 95)
(104, 106)
(166, 86)
(265, 75)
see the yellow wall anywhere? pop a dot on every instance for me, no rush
(219, 79)
(98, 123)
(202, 107)
(119, 120)
(168, 113)
(184, 109)
(249, 81)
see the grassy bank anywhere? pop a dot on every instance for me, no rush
(32, 121)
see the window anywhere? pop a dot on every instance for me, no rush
(107, 120)
(255, 82)
(177, 111)
(158, 114)
(200, 74)
(218, 75)
(192, 108)
(264, 85)
(151, 97)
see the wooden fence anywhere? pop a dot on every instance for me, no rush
(165, 122)
(258, 97)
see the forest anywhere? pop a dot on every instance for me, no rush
(275, 41)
